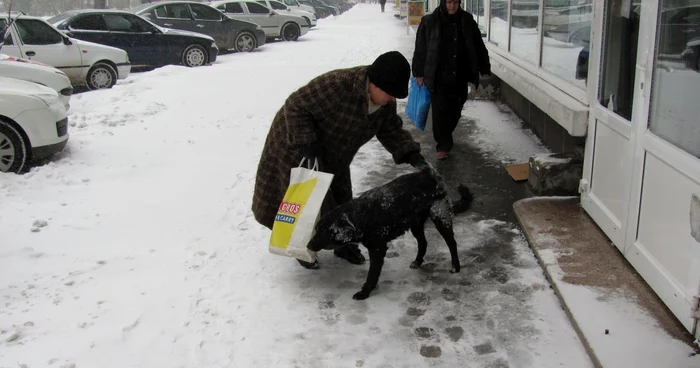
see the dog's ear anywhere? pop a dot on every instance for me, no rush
(347, 222)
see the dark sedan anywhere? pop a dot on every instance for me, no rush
(147, 44)
(197, 17)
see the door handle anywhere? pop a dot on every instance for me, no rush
(30, 53)
(200, 26)
(167, 24)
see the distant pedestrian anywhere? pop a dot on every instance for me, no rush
(449, 54)
(382, 3)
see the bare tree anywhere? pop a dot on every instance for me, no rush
(100, 4)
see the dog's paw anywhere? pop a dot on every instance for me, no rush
(416, 264)
(361, 295)
(454, 269)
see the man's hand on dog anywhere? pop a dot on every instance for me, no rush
(417, 160)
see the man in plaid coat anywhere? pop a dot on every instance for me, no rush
(330, 118)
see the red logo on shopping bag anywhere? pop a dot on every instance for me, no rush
(291, 208)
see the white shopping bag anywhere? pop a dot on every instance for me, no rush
(299, 212)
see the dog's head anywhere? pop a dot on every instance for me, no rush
(335, 228)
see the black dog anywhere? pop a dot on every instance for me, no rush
(384, 213)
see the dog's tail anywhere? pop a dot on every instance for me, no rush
(465, 200)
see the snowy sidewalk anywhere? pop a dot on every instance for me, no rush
(622, 321)
(145, 252)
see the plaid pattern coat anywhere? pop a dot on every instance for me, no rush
(332, 110)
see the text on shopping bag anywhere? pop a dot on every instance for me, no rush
(289, 211)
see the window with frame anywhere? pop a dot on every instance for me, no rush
(676, 83)
(36, 32)
(255, 8)
(126, 23)
(277, 5)
(567, 37)
(234, 8)
(203, 12)
(174, 11)
(498, 24)
(525, 22)
(89, 22)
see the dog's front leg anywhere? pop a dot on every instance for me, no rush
(377, 252)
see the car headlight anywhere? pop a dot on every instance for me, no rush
(213, 45)
(258, 28)
(51, 100)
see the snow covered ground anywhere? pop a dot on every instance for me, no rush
(137, 248)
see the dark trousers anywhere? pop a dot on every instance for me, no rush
(447, 104)
(382, 4)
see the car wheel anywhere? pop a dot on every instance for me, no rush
(194, 55)
(13, 151)
(245, 42)
(100, 76)
(290, 32)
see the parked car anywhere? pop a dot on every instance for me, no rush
(276, 25)
(298, 5)
(97, 66)
(33, 123)
(236, 34)
(322, 9)
(147, 44)
(281, 8)
(40, 73)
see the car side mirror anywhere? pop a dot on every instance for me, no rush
(155, 31)
(272, 13)
(67, 41)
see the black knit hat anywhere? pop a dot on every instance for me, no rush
(391, 72)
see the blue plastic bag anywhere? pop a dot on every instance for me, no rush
(418, 104)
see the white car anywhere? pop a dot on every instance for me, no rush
(300, 6)
(97, 66)
(33, 123)
(281, 8)
(33, 71)
(275, 24)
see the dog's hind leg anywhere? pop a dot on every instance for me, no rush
(377, 252)
(418, 231)
(444, 227)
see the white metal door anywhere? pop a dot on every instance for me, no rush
(41, 42)
(263, 17)
(666, 164)
(611, 134)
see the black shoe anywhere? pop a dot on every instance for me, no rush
(309, 265)
(351, 253)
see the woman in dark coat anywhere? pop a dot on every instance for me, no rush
(330, 119)
(449, 54)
